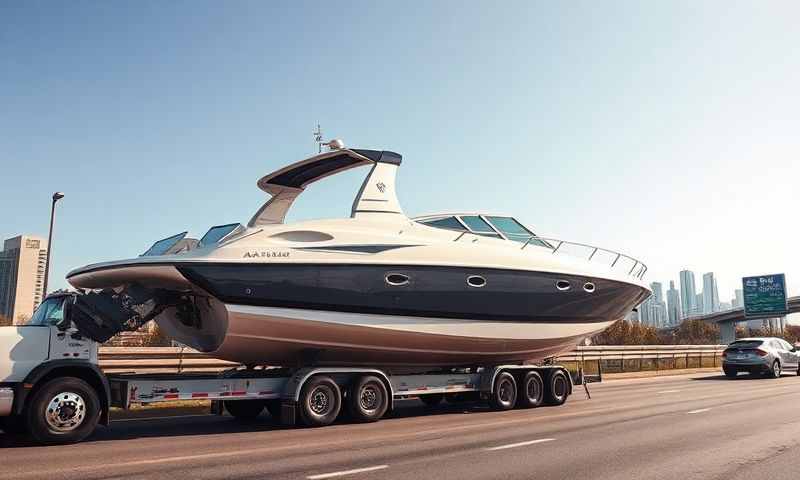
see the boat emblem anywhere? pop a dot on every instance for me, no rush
(265, 254)
(381, 186)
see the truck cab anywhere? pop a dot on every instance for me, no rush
(47, 357)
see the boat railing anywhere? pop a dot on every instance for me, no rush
(634, 267)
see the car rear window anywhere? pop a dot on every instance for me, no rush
(746, 344)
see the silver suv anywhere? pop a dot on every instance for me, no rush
(760, 355)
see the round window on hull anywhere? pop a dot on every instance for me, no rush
(396, 279)
(476, 281)
(589, 287)
(563, 285)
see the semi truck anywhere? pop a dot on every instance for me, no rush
(53, 389)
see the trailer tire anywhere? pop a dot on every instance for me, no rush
(320, 401)
(244, 410)
(63, 410)
(504, 393)
(431, 399)
(367, 399)
(531, 393)
(557, 388)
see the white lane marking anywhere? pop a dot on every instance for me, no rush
(669, 391)
(346, 472)
(161, 418)
(701, 410)
(520, 444)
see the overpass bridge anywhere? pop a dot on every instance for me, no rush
(727, 320)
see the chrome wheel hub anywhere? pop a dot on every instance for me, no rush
(65, 412)
(319, 401)
(369, 398)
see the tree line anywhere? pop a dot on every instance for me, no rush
(690, 332)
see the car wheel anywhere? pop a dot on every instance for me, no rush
(776, 369)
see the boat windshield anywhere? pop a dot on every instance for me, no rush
(163, 246)
(507, 228)
(216, 234)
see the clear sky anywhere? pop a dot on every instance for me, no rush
(666, 130)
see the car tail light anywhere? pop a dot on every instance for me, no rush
(724, 353)
(761, 353)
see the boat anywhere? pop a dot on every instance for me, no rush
(377, 288)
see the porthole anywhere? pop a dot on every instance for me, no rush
(476, 281)
(396, 279)
(563, 285)
(589, 287)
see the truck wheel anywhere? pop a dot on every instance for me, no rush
(504, 395)
(532, 392)
(557, 388)
(432, 399)
(246, 410)
(320, 401)
(63, 410)
(368, 399)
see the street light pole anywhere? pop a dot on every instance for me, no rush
(56, 197)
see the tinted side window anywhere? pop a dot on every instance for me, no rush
(449, 222)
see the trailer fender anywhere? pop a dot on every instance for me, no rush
(299, 378)
(84, 370)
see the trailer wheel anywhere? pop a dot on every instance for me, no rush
(320, 401)
(245, 410)
(63, 410)
(432, 399)
(532, 392)
(504, 394)
(557, 388)
(367, 399)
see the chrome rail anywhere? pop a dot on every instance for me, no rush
(637, 270)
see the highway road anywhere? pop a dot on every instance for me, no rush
(686, 426)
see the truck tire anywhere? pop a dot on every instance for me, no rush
(63, 410)
(557, 388)
(320, 401)
(504, 394)
(367, 399)
(531, 393)
(245, 410)
(432, 399)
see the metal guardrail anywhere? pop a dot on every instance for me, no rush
(638, 268)
(594, 360)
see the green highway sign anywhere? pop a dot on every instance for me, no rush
(765, 296)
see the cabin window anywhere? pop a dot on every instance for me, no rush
(516, 231)
(478, 225)
(449, 223)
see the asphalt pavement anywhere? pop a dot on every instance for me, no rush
(678, 427)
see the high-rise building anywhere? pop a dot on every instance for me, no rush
(673, 305)
(710, 293)
(22, 264)
(653, 311)
(724, 306)
(698, 304)
(688, 293)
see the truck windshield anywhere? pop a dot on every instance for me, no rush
(50, 312)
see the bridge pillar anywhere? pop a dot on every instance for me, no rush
(727, 332)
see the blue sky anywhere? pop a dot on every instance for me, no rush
(667, 130)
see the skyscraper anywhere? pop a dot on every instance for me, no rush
(653, 311)
(673, 305)
(710, 293)
(688, 293)
(22, 264)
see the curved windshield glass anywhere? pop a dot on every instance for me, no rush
(449, 223)
(514, 230)
(50, 312)
(162, 246)
(215, 234)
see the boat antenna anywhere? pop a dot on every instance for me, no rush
(318, 138)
